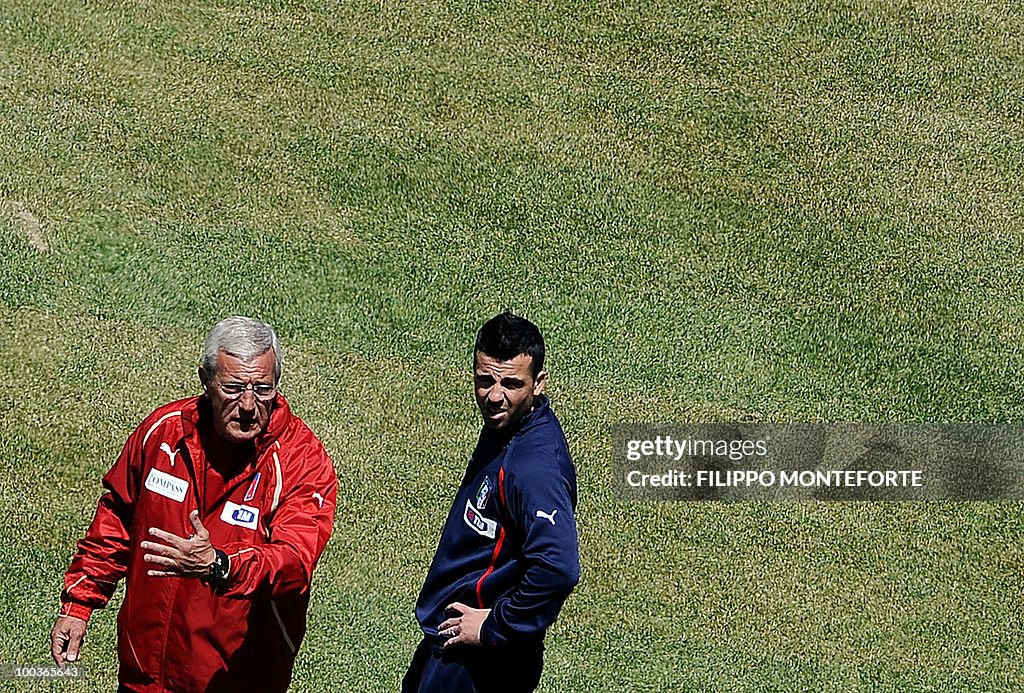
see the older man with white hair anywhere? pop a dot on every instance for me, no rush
(215, 513)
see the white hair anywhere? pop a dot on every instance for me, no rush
(243, 338)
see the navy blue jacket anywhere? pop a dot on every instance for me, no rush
(509, 543)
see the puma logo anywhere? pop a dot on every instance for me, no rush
(171, 454)
(319, 499)
(550, 517)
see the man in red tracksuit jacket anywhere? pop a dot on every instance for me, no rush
(215, 514)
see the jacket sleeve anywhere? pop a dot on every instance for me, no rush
(300, 526)
(102, 556)
(541, 504)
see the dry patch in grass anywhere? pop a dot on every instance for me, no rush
(26, 222)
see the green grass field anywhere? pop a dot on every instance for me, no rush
(716, 211)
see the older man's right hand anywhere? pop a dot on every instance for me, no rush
(66, 639)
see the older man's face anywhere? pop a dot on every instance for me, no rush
(505, 389)
(242, 395)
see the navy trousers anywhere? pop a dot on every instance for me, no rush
(465, 669)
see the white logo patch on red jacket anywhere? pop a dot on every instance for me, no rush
(166, 485)
(241, 515)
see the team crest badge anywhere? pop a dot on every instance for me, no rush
(483, 493)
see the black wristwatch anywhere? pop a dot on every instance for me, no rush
(218, 569)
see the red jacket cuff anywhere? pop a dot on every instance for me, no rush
(75, 610)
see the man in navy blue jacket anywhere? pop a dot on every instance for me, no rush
(509, 555)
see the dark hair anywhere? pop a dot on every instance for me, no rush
(506, 336)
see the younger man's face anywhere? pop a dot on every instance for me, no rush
(505, 389)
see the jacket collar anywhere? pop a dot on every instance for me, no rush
(539, 413)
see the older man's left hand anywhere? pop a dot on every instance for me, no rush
(179, 556)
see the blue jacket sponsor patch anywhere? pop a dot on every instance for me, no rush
(480, 524)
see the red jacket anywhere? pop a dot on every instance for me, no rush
(273, 520)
